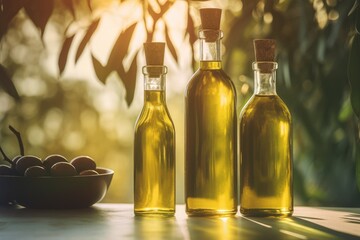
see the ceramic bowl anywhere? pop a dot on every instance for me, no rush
(55, 192)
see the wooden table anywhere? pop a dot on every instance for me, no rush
(116, 221)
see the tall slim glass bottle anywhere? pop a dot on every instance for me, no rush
(265, 143)
(154, 148)
(210, 129)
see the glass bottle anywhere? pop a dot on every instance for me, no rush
(265, 143)
(210, 130)
(154, 149)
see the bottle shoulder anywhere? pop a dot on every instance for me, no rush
(265, 105)
(208, 80)
(154, 116)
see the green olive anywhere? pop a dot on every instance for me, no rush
(83, 163)
(63, 169)
(35, 171)
(27, 161)
(15, 160)
(50, 160)
(6, 170)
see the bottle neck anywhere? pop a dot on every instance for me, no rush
(210, 48)
(265, 78)
(154, 84)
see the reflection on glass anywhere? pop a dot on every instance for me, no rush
(146, 227)
(214, 228)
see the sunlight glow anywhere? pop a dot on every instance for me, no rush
(32, 86)
(331, 3)
(236, 7)
(259, 223)
(333, 15)
(321, 17)
(245, 88)
(6, 103)
(106, 101)
(35, 135)
(318, 4)
(268, 18)
(293, 234)
(224, 219)
(53, 122)
(73, 140)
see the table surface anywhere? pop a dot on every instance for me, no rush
(117, 221)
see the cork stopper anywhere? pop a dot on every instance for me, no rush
(154, 53)
(265, 52)
(210, 18)
(210, 24)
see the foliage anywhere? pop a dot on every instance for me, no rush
(39, 11)
(312, 80)
(354, 61)
(354, 78)
(7, 84)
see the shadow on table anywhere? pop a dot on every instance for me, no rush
(92, 214)
(318, 230)
(353, 218)
(156, 228)
(260, 228)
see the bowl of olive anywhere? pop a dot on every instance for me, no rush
(53, 182)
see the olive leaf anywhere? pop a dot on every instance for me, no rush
(129, 79)
(358, 168)
(170, 45)
(190, 30)
(156, 16)
(69, 4)
(9, 11)
(64, 53)
(115, 62)
(354, 7)
(354, 74)
(89, 5)
(357, 23)
(39, 11)
(120, 47)
(6, 83)
(86, 38)
(163, 8)
(101, 71)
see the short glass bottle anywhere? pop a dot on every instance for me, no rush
(154, 149)
(266, 182)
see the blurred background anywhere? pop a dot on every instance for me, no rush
(76, 66)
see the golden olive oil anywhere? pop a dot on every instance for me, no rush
(265, 142)
(210, 138)
(154, 154)
(265, 157)
(210, 129)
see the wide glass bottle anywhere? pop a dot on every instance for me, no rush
(266, 187)
(210, 129)
(154, 149)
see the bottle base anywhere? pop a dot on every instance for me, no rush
(155, 212)
(263, 212)
(210, 212)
